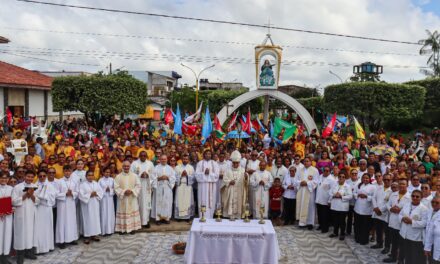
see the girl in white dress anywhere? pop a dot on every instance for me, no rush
(107, 205)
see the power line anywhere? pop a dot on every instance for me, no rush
(208, 41)
(54, 61)
(219, 22)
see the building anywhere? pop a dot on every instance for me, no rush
(26, 93)
(159, 83)
(65, 73)
(3, 40)
(228, 86)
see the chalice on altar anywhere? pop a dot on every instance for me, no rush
(246, 213)
(203, 210)
(261, 215)
(218, 213)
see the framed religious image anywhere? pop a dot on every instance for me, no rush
(268, 67)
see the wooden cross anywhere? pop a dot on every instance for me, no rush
(268, 26)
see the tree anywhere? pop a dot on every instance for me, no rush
(431, 111)
(431, 46)
(99, 96)
(376, 104)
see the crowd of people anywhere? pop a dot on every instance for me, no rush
(88, 183)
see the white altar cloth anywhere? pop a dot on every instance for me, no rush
(232, 242)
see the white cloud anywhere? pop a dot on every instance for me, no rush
(392, 19)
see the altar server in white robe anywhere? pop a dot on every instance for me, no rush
(252, 166)
(306, 181)
(43, 232)
(54, 182)
(106, 205)
(235, 182)
(184, 200)
(260, 181)
(223, 166)
(363, 209)
(79, 176)
(432, 237)
(143, 168)
(25, 202)
(90, 194)
(67, 227)
(340, 195)
(207, 173)
(164, 179)
(326, 181)
(7, 219)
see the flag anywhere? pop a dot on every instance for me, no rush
(189, 129)
(360, 133)
(341, 122)
(231, 124)
(207, 126)
(178, 122)
(194, 117)
(280, 125)
(161, 114)
(248, 125)
(168, 116)
(218, 129)
(271, 129)
(50, 130)
(255, 124)
(329, 128)
(9, 116)
(262, 128)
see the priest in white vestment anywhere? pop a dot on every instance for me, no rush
(43, 233)
(252, 166)
(90, 194)
(260, 181)
(127, 188)
(66, 230)
(106, 205)
(207, 173)
(24, 201)
(223, 166)
(7, 219)
(235, 182)
(184, 200)
(306, 181)
(143, 168)
(164, 179)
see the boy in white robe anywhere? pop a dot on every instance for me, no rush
(143, 168)
(184, 200)
(90, 193)
(107, 205)
(163, 183)
(66, 227)
(24, 200)
(260, 181)
(7, 220)
(43, 233)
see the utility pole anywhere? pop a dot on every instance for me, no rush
(110, 68)
(197, 76)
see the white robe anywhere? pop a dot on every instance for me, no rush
(207, 186)
(6, 223)
(234, 200)
(252, 165)
(90, 207)
(128, 218)
(107, 206)
(306, 200)
(66, 227)
(163, 192)
(260, 193)
(138, 167)
(223, 168)
(184, 200)
(79, 176)
(24, 217)
(43, 233)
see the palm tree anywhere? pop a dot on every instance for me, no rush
(431, 46)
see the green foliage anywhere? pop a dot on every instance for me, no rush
(376, 103)
(431, 115)
(431, 47)
(216, 99)
(101, 95)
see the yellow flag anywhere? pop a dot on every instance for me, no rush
(360, 133)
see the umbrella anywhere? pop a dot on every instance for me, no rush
(383, 149)
(235, 134)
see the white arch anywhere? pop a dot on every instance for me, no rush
(285, 98)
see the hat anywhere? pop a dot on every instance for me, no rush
(235, 156)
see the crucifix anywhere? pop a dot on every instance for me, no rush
(268, 25)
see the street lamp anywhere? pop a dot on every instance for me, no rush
(197, 81)
(337, 76)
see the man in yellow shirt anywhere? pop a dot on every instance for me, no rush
(433, 152)
(66, 149)
(49, 148)
(58, 166)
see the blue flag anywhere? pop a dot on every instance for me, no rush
(178, 122)
(207, 126)
(262, 128)
(271, 129)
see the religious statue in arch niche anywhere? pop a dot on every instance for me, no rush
(266, 75)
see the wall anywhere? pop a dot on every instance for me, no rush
(16, 96)
(36, 103)
(2, 100)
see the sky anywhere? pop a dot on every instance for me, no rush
(39, 38)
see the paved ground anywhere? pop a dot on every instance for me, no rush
(297, 246)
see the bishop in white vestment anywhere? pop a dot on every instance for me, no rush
(306, 181)
(143, 168)
(207, 173)
(43, 233)
(260, 181)
(106, 205)
(184, 200)
(164, 179)
(90, 194)
(235, 185)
